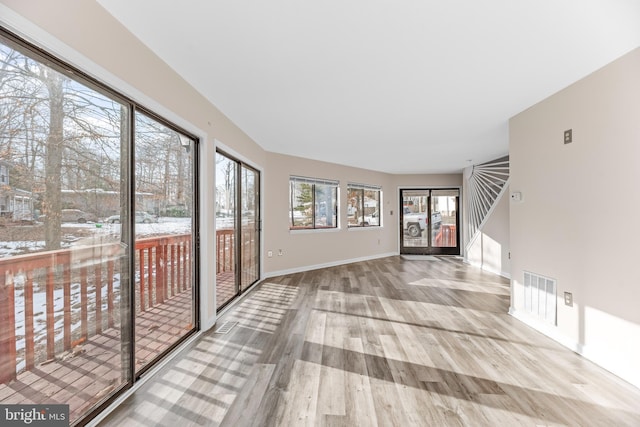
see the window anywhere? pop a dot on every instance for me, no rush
(313, 203)
(363, 207)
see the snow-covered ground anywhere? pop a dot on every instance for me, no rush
(97, 233)
(8, 249)
(40, 315)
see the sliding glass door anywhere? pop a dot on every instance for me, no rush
(429, 221)
(65, 330)
(163, 224)
(237, 228)
(97, 256)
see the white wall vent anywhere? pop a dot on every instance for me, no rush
(540, 297)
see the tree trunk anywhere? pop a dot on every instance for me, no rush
(180, 178)
(51, 204)
(167, 178)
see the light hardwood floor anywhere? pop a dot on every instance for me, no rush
(388, 342)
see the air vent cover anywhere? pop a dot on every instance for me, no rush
(540, 296)
(225, 328)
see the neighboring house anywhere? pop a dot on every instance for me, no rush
(103, 203)
(15, 203)
(96, 201)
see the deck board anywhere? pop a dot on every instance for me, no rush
(87, 378)
(225, 287)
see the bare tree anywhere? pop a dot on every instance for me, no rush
(51, 203)
(161, 164)
(55, 131)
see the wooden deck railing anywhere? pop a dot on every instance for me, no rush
(162, 263)
(225, 244)
(225, 257)
(169, 257)
(446, 237)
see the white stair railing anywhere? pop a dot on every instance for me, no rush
(487, 183)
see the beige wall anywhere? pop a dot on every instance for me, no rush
(490, 249)
(306, 249)
(577, 221)
(428, 181)
(311, 249)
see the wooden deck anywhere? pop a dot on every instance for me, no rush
(225, 287)
(159, 327)
(85, 375)
(386, 342)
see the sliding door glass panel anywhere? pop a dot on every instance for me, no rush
(163, 221)
(64, 328)
(415, 218)
(250, 236)
(226, 199)
(444, 203)
(237, 220)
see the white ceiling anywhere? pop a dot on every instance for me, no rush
(400, 86)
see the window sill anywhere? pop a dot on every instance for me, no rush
(372, 227)
(313, 230)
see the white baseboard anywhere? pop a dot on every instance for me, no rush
(629, 372)
(325, 265)
(504, 274)
(599, 356)
(546, 329)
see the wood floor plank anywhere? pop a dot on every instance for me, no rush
(246, 404)
(331, 399)
(359, 403)
(387, 342)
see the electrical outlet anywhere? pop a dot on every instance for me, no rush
(269, 254)
(568, 136)
(568, 299)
